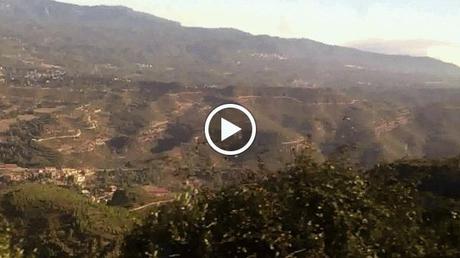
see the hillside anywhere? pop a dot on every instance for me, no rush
(306, 209)
(50, 221)
(121, 42)
(86, 86)
(103, 154)
(85, 122)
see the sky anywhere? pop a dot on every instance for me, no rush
(414, 27)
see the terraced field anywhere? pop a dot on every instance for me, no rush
(135, 123)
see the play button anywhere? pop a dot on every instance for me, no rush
(227, 129)
(230, 129)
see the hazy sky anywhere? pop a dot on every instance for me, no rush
(417, 27)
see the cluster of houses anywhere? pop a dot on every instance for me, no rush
(272, 56)
(28, 77)
(48, 75)
(2, 76)
(12, 173)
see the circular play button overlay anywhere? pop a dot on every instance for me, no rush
(230, 129)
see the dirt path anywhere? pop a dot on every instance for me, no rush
(248, 97)
(352, 102)
(288, 98)
(92, 122)
(77, 135)
(151, 204)
(158, 124)
(300, 140)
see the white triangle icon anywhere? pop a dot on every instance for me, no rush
(227, 129)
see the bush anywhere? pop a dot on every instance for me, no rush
(49, 221)
(307, 210)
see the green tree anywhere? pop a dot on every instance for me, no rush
(6, 248)
(305, 210)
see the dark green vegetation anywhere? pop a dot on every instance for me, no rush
(175, 135)
(49, 221)
(404, 209)
(6, 248)
(313, 210)
(20, 147)
(129, 197)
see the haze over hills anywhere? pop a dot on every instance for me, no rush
(129, 44)
(109, 68)
(103, 154)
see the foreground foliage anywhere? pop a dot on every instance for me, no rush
(405, 209)
(6, 250)
(308, 210)
(50, 221)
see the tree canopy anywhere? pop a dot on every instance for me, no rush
(306, 210)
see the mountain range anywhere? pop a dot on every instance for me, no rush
(104, 40)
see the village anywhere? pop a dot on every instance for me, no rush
(12, 174)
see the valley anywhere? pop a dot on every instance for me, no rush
(126, 123)
(103, 152)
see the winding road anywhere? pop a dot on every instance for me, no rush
(151, 204)
(77, 135)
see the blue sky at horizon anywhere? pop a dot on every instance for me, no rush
(414, 27)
